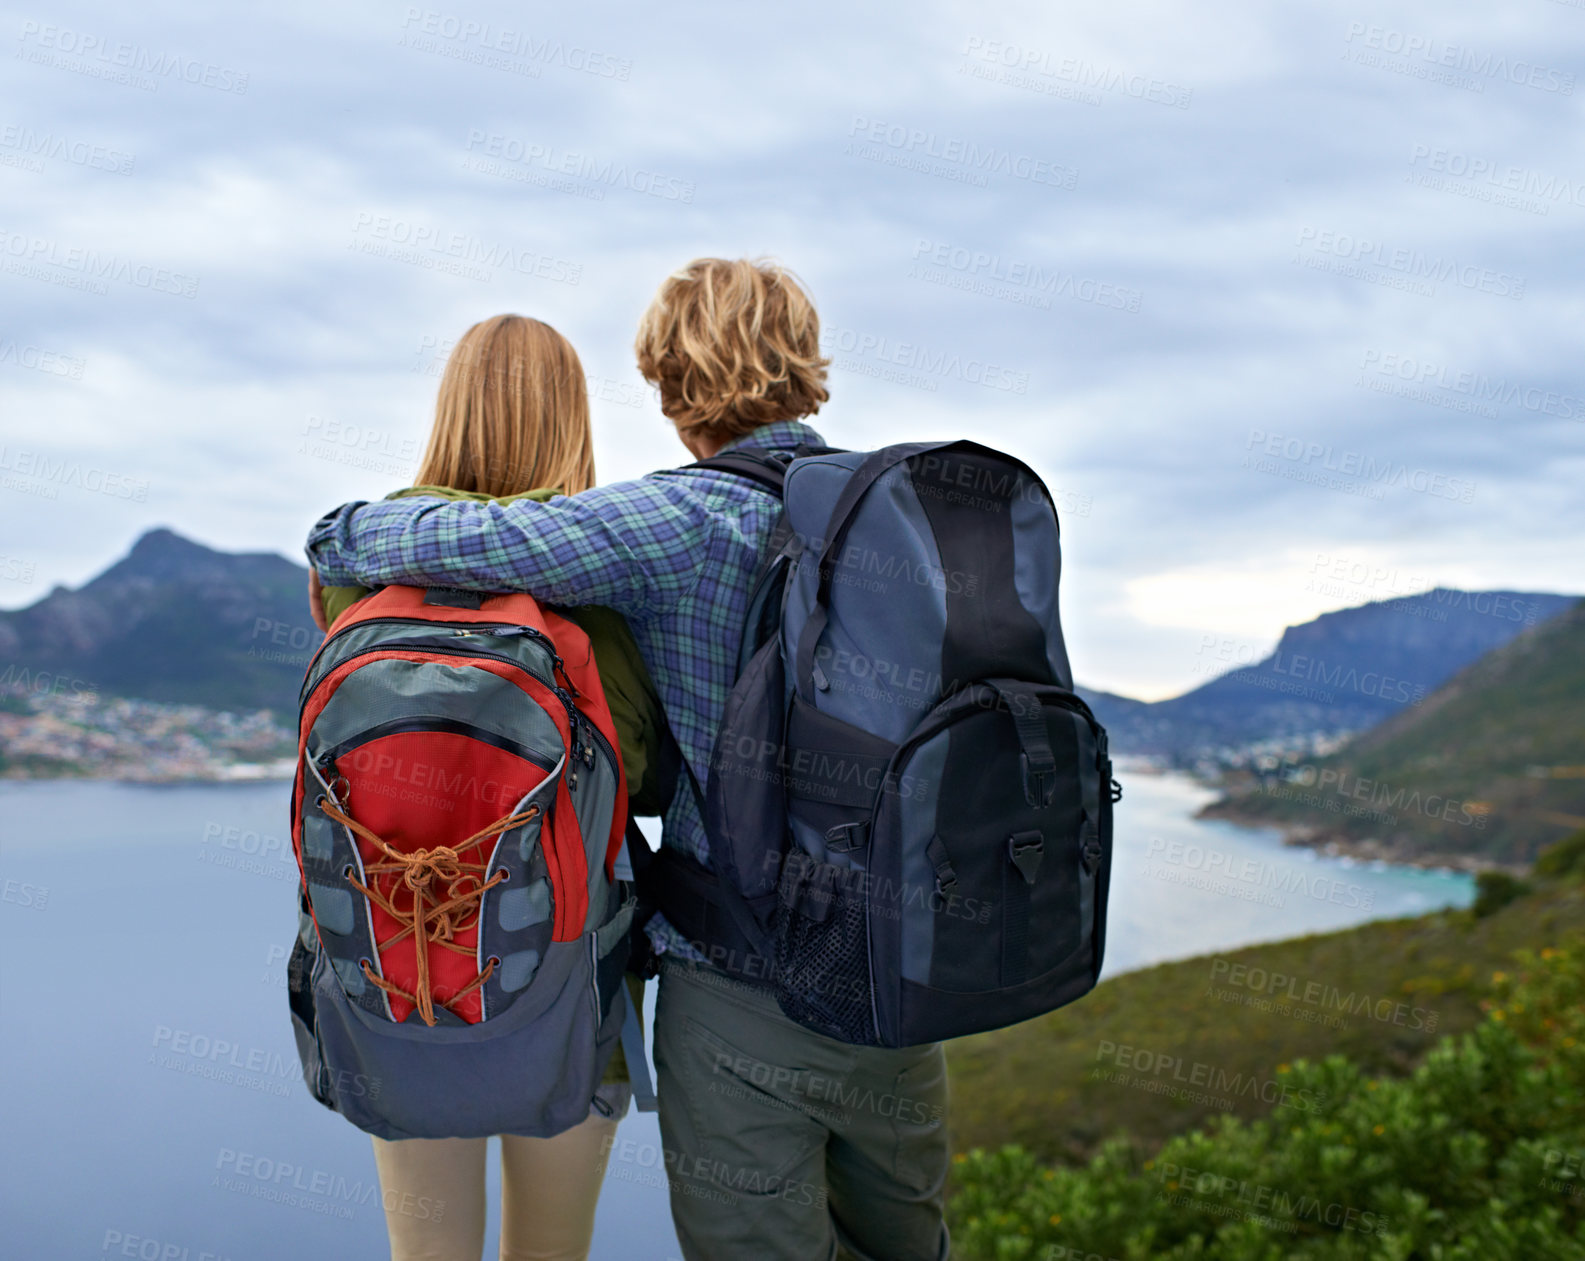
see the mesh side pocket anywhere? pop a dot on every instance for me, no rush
(822, 950)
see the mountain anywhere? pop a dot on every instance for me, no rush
(1490, 766)
(177, 621)
(1114, 712)
(1343, 672)
(171, 621)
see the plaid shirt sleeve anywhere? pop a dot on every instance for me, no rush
(636, 547)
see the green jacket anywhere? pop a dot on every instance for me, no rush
(635, 706)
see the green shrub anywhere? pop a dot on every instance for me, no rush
(1479, 1154)
(1565, 858)
(1494, 890)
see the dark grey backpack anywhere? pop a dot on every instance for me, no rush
(909, 809)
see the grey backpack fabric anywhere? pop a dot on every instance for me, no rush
(909, 809)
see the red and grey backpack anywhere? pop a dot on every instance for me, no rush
(457, 812)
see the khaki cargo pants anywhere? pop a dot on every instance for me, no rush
(782, 1143)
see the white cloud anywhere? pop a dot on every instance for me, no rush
(1144, 421)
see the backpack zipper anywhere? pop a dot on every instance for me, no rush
(501, 628)
(581, 726)
(527, 632)
(496, 630)
(458, 651)
(391, 621)
(449, 726)
(1063, 699)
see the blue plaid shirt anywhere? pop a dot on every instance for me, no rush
(674, 552)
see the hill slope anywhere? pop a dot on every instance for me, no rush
(1062, 1084)
(171, 621)
(1492, 764)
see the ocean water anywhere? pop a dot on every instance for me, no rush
(148, 1077)
(1183, 886)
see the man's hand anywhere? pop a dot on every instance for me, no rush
(316, 600)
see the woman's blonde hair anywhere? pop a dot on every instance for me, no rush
(732, 345)
(513, 413)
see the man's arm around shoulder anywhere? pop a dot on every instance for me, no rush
(637, 547)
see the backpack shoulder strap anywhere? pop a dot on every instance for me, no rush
(656, 891)
(760, 467)
(652, 871)
(766, 468)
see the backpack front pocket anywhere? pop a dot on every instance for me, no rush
(983, 863)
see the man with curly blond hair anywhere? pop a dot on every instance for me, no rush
(779, 1142)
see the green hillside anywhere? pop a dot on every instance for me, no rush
(1491, 766)
(1407, 1089)
(1474, 1155)
(1060, 1085)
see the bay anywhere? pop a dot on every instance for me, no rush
(147, 1071)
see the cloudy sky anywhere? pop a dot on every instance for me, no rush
(1284, 301)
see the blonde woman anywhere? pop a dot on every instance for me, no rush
(512, 425)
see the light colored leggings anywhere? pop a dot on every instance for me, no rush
(433, 1192)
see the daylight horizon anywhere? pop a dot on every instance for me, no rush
(1283, 308)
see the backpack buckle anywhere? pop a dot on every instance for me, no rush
(941, 862)
(1090, 849)
(1040, 780)
(847, 837)
(1026, 849)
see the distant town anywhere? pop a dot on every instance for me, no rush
(79, 734)
(55, 734)
(1257, 757)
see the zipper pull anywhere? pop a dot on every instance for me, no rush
(500, 632)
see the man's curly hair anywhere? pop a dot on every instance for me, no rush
(732, 344)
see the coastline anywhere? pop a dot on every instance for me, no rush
(1335, 843)
(231, 773)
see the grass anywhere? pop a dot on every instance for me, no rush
(1037, 1084)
